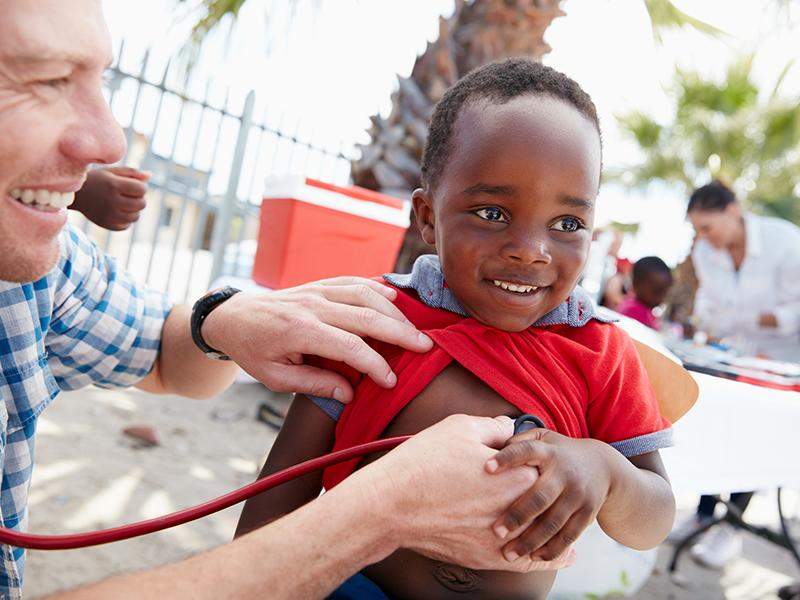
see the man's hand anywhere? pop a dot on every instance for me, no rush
(440, 500)
(768, 321)
(268, 334)
(574, 482)
(112, 197)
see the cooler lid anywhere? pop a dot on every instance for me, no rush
(350, 199)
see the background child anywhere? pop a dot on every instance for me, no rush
(652, 279)
(510, 175)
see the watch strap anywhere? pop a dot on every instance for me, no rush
(200, 311)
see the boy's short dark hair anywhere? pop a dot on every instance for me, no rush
(647, 265)
(714, 196)
(498, 82)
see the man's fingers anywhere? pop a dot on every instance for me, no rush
(528, 564)
(383, 290)
(493, 432)
(526, 508)
(363, 295)
(523, 449)
(343, 346)
(367, 322)
(304, 379)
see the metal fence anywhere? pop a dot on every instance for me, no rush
(202, 213)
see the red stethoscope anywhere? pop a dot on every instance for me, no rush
(123, 532)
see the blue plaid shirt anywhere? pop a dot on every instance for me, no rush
(84, 323)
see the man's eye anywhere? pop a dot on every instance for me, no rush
(54, 83)
(568, 224)
(491, 213)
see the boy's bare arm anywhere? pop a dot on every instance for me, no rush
(640, 508)
(307, 432)
(580, 480)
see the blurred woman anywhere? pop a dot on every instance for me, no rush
(748, 267)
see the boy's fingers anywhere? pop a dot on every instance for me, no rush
(545, 527)
(523, 449)
(528, 506)
(131, 188)
(568, 535)
(130, 206)
(304, 379)
(130, 172)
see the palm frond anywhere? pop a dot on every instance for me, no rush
(665, 16)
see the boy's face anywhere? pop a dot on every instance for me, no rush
(512, 213)
(653, 289)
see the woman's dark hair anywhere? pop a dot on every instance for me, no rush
(713, 197)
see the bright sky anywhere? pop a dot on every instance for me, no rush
(321, 69)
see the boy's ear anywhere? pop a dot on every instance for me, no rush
(422, 202)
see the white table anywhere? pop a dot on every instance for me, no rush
(737, 437)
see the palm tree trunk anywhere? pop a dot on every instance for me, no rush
(478, 32)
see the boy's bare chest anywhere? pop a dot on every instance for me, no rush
(405, 574)
(454, 391)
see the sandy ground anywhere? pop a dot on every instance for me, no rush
(89, 475)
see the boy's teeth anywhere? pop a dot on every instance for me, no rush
(43, 197)
(513, 287)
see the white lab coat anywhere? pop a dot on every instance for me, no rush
(729, 303)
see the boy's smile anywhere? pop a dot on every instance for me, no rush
(512, 213)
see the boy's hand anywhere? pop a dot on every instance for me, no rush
(574, 482)
(112, 197)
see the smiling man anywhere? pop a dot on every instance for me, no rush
(69, 317)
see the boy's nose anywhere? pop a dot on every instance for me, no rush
(527, 250)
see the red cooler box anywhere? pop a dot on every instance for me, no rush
(312, 230)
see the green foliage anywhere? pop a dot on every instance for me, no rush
(722, 129)
(212, 13)
(665, 16)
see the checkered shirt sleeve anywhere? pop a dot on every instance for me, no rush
(105, 329)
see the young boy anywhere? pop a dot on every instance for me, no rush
(652, 279)
(510, 174)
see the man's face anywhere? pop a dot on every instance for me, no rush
(513, 211)
(54, 122)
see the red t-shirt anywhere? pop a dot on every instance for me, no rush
(581, 381)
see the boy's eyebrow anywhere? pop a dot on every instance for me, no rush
(492, 190)
(576, 202)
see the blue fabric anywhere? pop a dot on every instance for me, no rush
(358, 587)
(84, 323)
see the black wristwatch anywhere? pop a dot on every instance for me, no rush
(201, 309)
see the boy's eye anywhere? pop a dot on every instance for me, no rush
(491, 213)
(568, 224)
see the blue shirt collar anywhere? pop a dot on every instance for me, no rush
(427, 279)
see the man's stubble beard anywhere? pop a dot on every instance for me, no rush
(20, 264)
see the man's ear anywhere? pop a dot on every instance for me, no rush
(422, 202)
